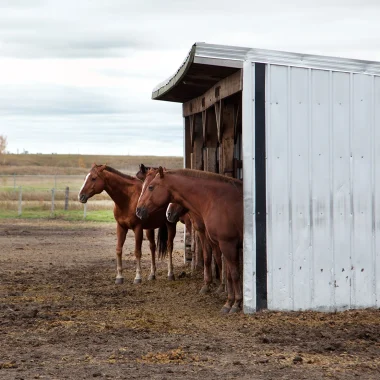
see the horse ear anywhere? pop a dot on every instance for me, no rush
(142, 168)
(161, 171)
(102, 167)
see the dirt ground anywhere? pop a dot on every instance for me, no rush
(62, 317)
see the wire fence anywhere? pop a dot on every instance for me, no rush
(44, 193)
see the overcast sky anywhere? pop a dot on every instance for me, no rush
(77, 76)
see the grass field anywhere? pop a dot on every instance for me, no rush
(32, 177)
(68, 164)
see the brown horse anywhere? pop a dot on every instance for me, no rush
(217, 200)
(183, 217)
(176, 212)
(125, 191)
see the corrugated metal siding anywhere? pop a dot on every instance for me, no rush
(323, 128)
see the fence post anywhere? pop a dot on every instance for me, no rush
(52, 201)
(67, 198)
(85, 211)
(19, 201)
(14, 181)
(55, 181)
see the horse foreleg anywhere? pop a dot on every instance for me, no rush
(121, 234)
(138, 242)
(170, 243)
(152, 246)
(207, 259)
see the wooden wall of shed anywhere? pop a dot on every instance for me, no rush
(213, 143)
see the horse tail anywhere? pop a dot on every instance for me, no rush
(162, 241)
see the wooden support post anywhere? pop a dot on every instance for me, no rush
(67, 198)
(226, 159)
(188, 146)
(197, 141)
(210, 138)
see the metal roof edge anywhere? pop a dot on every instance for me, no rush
(313, 61)
(165, 86)
(219, 55)
(234, 56)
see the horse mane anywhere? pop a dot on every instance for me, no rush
(117, 172)
(205, 175)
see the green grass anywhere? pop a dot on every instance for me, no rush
(74, 215)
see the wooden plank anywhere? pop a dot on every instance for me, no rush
(188, 146)
(210, 159)
(224, 88)
(197, 154)
(219, 119)
(226, 159)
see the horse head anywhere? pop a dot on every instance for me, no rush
(94, 183)
(154, 195)
(174, 212)
(141, 174)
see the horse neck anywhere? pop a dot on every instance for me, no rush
(121, 190)
(189, 192)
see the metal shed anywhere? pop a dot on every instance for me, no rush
(303, 132)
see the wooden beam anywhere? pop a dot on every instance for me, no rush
(219, 119)
(188, 146)
(224, 88)
(226, 151)
(192, 129)
(210, 132)
(197, 154)
(237, 120)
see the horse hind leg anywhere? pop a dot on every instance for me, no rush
(231, 254)
(220, 262)
(230, 294)
(207, 259)
(152, 246)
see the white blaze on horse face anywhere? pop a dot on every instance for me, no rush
(142, 191)
(168, 210)
(84, 183)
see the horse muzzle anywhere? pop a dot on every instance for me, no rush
(142, 212)
(82, 198)
(172, 217)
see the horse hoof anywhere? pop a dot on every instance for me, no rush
(225, 310)
(220, 289)
(119, 281)
(151, 277)
(205, 289)
(137, 281)
(171, 277)
(234, 310)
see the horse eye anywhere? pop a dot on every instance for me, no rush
(150, 188)
(93, 179)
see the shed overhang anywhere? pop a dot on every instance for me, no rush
(207, 64)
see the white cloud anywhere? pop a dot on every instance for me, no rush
(78, 75)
